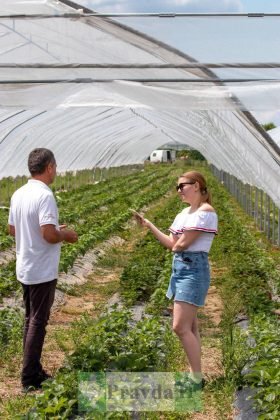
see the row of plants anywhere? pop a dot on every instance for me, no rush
(245, 288)
(86, 206)
(8, 281)
(108, 344)
(6, 241)
(245, 271)
(68, 181)
(99, 187)
(140, 277)
(98, 225)
(114, 342)
(73, 204)
(264, 373)
(11, 325)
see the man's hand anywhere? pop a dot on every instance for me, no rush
(53, 236)
(12, 230)
(69, 235)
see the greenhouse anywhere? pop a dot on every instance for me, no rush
(102, 92)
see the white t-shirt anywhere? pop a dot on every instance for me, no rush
(203, 221)
(32, 206)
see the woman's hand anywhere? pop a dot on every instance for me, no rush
(164, 239)
(141, 220)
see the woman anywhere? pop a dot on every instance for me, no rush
(191, 236)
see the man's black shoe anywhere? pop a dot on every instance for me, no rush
(43, 375)
(35, 383)
(31, 386)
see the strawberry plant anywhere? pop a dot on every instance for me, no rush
(264, 373)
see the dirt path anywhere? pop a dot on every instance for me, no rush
(209, 320)
(93, 288)
(61, 318)
(101, 285)
(91, 296)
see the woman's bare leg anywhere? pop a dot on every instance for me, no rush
(185, 326)
(195, 330)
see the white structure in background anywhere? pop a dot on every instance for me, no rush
(163, 156)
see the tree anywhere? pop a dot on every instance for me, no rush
(268, 126)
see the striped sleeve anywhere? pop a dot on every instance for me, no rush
(176, 227)
(204, 221)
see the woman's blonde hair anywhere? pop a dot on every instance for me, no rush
(198, 177)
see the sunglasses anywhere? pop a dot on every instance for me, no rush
(182, 184)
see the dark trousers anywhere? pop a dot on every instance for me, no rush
(38, 300)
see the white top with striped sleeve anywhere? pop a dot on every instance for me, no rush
(204, 221)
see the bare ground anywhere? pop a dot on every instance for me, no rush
(74, 306)
(70, 308)
(211, 352)
(90, 301)
(60, 320)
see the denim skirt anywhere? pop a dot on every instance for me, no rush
(190, 278)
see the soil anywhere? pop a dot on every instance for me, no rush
(66, 309)
(213, 306)
(7, 256)
(74, 306)
(70, 308)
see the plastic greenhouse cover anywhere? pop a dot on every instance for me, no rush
(8, 7)
(126, 94)
(78, 50)
(85, 138)
(99, 94)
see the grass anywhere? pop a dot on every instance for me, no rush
(105, 290)
(116, 258)
(14, 408)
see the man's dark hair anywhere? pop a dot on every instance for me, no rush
(39, 159)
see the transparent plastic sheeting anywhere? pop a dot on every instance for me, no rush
(52, 44)
(145, 98)
(251, 96)
(10, 7)
(85, 138)
(219, 39)
(216, 39)
(80, 138)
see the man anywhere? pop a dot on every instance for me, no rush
(33, 220)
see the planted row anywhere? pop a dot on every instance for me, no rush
(106, 344)
(114, 342)
(87, 205)
(74, 204)
(140, 277)
(6, 241)
(245, 288)
(110, 221)
(97, 226)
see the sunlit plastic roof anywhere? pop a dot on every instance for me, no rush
(103, 91)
